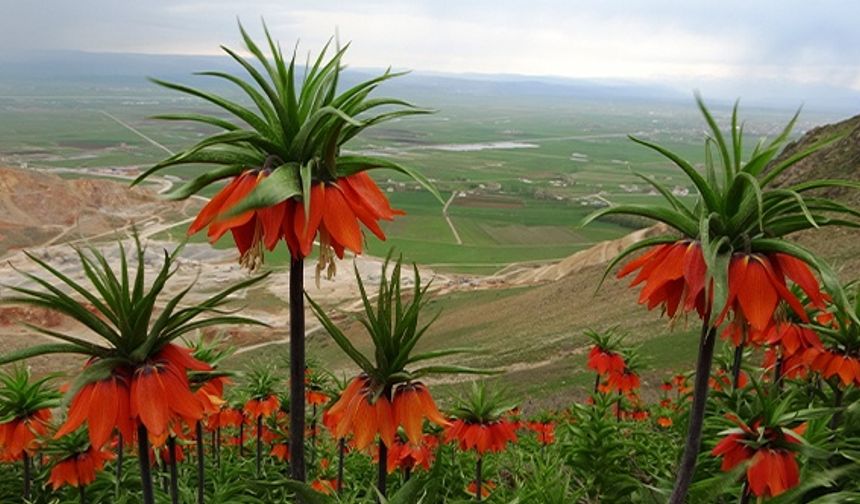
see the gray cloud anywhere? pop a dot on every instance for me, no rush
(796, 41)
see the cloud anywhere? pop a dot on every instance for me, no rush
(801, 42)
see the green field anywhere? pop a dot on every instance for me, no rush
(515, 204)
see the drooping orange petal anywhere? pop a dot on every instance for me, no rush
(307, 231)
(640, 261)
(102, 415)
(756, 295)
(78, 411)
(385, 421)
(340, 221)
(149, 401)
(221, 225)
(364, 423)
(272, 219)
(758, 473)
(213, 207)
(409, 414)
(374, 198)
(429, 408)
(799, 273)
(361, 210)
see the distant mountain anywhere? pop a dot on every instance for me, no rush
(839, 160)
(53, 69)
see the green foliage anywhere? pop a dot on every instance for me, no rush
(123, 311)
(482, 404)
(21, 395)
(296, 133)
(739, 208)
(394, 326)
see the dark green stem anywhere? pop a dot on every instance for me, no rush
(120, 453)
(174, 477)
(143, 460)
(242, 436)
(736, 365)
(25, 459)
(697, 414)
(259, 458)
(297, 370)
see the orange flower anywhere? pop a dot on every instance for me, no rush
(722, 379)
(673, 273)
(324, 486)
(664, 422)
(487, 488)
(160, 394)
(623, 382)
(164, 453)
(772, 468)
(79, 469)
(545, 431)
(211, 395)
(793, 338)
(316, 397)
(225, 417)
(410, 456)
(757, 284)
(832, 363)
(666, 386)
(281, 451)
(336, 209)
(772, 472)
(156, 394)
(19, 434)
(264, 407)
(356, 413)
(489, 437)
(413, 403)
(251, 230)
(604, 361)
(105, 406)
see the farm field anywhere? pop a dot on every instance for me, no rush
(519, 173)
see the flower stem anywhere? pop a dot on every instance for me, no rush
(259, 444)
(736, 365)
(745, 493)
(242, 436)
(82, 493)
(120, 448)
(27, 483)
(143, 459)
(297, 370)
(697, 413)
(837, 404)
(174, 477)
(479, 481)
(201, 470)
(382, 473)
(218, 446)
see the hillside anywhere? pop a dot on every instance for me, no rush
(39, 208)
(535, 331)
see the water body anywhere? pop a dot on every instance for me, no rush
(474, 147)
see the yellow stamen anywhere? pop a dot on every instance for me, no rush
(252, 259)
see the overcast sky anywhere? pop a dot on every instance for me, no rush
(799, 42)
